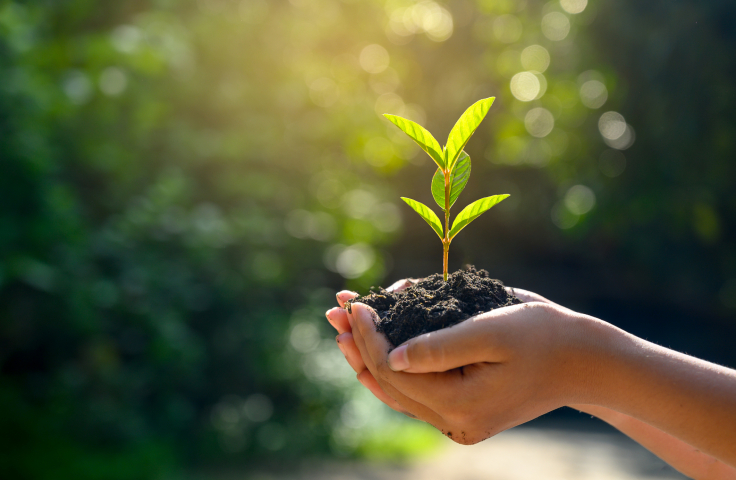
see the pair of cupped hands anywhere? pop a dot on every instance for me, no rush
(477, 378)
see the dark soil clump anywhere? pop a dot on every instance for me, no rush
(432, 304)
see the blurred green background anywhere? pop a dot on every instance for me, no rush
(185, 184)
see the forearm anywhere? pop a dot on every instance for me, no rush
(681, 456)
(687, 398)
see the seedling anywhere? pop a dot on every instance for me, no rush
(453, 172)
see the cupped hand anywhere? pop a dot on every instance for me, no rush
(339, 320)
(474, 379)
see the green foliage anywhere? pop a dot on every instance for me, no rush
(464, 129)
(423, 138)
(428, 215)
(399, 441)
(473, 211)
(183, 186)
(458, 179)
(449, 180)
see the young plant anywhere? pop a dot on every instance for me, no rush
(453, 172)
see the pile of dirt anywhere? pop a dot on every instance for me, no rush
(431, 303)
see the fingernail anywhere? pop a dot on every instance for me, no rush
(398, 359)
(358, 376)
(329, 313)
(345, 293)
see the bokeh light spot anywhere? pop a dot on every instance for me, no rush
(359, 203)
(562, 217)
(542, 84)
(579, 199)
(304, 224)
(625, 141)
(574, 6)
(126, 38)
(304, 337)
(593, 94)
(611, 125)
(355, 260)
(535, 57)
(77, 87)
(539, 122)
(555, 26)
(525, 86)
(226, 413)
(389, 103)
(258, 408)
(374, 58)
(386, 217)
(431, 18)
(113, 81)
(507, 28)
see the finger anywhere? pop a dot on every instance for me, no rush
(344, 296)
(426, 389)
(402, 284)
(399, 285)
(368, 381)
(348, 348)
(526, 296)
(475, 340)
(338, 318)
(413, 408)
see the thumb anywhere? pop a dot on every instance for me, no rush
(468, 342)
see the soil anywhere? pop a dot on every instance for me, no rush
(431, 304)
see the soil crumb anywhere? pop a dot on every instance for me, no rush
(432, 304)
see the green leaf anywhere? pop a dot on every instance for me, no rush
(464, 129)
(458, 179)
(473, 211)
(428, 215)
(420, 135)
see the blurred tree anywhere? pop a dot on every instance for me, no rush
(184, 184)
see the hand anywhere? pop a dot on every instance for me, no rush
(338, 319)
(641, 394)
(485, 358)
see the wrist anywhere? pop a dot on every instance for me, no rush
(594, 348)
(612, 417)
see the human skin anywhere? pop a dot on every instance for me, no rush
(522, 361)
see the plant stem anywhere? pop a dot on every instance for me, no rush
(446, 240)
(445, 251)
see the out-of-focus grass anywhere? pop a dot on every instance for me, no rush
(400, 441)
